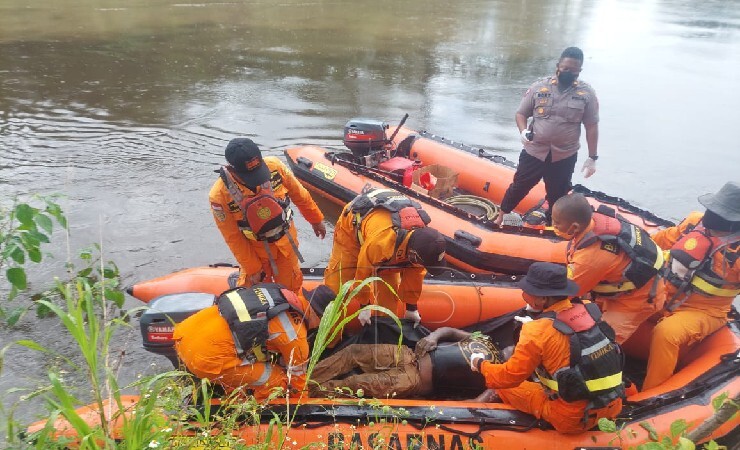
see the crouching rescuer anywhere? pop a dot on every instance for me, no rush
(252, 338)
(383, 233)
(569, 348)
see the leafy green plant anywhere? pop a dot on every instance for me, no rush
(677, 439)
(24, 228)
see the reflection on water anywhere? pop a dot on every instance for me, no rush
(125, 106)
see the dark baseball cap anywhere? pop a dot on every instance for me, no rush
(246, 160)
(430, 245)
(545, 279)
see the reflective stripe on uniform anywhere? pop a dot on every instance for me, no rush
(604, 383)
(704, 286)
(592, 349)
(241, 309)
(623, 286)
(264, 377)
(266, 293)
(287, 325)
(599, 384)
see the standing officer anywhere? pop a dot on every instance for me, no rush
(250, 203)
(558, 105)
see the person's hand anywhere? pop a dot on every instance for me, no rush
(319, 229)
(475, 360)
(487, 396)
(526, 134)
(255, 278)
(499, 218)
(414, 316)
(589, 167)
(364, 316)
(523, 319)
(426, 345)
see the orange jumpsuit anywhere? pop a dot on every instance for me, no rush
(541, 344)
(205, 345)
(698, 317)
(251, 254)
(350, 260)
(599, 263)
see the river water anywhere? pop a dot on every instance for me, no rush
(124, 107)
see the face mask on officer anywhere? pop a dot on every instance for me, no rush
(566, 78)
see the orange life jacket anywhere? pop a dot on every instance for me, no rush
(594, 372)
(617, 234)
(695, 252)
(247, 311)
(406, 215)
(264, 216)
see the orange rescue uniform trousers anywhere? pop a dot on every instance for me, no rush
(251, 254)
(698, 317)
(594, 264)
(205, 345)
(541, 344)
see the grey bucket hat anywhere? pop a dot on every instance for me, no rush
(725, 203)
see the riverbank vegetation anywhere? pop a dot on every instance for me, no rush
(169, 410)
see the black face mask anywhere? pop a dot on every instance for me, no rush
(565, 79)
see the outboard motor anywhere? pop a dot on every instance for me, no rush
(367, 140)
(158, 322)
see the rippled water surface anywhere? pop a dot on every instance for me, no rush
(125, 106)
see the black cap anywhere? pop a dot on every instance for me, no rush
(246, 159)
(430, 245)
(545, 279)
(319, 298)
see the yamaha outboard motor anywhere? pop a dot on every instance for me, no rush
(367, 140)
(158, 322)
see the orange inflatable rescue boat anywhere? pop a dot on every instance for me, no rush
(709, 371)
(458, 185)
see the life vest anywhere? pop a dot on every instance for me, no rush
(247, 311)
(406, 215)
(615, 234)
(451, 374)
(691, 264)
(264, 216)
(596, 360)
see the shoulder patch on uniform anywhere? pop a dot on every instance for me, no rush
(233, 207)
(610, 247)
(276, 180)
(217, 206)
(690, 244)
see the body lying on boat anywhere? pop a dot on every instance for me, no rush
(474, 242)
(709, 370)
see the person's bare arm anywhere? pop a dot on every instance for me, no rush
(444, 334)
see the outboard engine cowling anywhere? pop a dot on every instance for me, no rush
(364, 136)
(158, 322)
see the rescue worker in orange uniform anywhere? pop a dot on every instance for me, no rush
(383, 233)
(702, 279)
(250, 203)
(252, 338)
(575, 389)
(613, 260)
